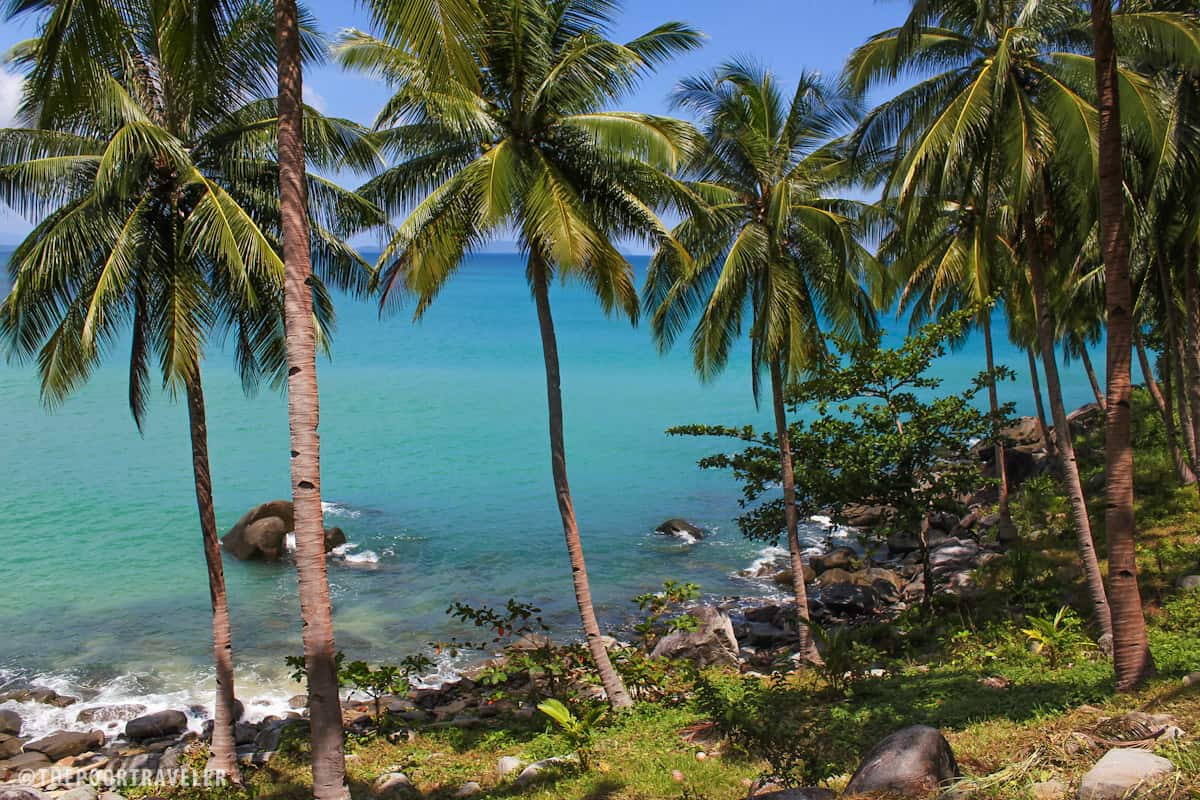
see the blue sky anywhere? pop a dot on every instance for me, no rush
(786, 35)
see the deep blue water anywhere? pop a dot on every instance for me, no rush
(435, 459)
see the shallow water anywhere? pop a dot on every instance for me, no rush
(434, 462)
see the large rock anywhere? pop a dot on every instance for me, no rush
(10, 722)
(711, 644)
(913, 762)
(1085, 419)
(9, 746)
(262, 532)
(26, 760)
(1124, 773)
(109, 713)
(837, 558)
(800, 793)
(681, 528)
(849, 599)
(156, 725)
(860, 516)
(18, 792)
(66, 743)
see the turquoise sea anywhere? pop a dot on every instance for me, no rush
(435, 463)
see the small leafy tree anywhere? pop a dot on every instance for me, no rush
(883, 435)
(659, 606)
(579, 729)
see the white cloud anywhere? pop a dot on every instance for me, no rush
(10, 97)
(314, 99)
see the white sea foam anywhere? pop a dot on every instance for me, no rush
(766, 557)
(141, 694)
(346, 553)
(289, 542)
(334, 509)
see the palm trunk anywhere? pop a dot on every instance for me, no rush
(1187, 428)
(1166, 411)
(1132, 661)
(316, 610)
(614, 687)
(789, 510)
(1192, 350)
(223, 749)
(1006, 525)
(1091, 373)
(1047, 437)
(1062, 434)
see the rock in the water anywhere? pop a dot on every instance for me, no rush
(390, 784)
(913, 762)
(66, 743)
(681, 528)
(262, 532)
(508, 765)
(834, 575)
(1124, 773)
(712, 643)
(10, 722)
(1188, 582)
(109, 713)
(158, 724)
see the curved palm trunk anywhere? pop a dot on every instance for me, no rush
(1090, 369)
(1047, 436)
(614, 687)
(1066, 448)
(1006, 525)
(224, 747)
(1165, 410)
(1132, 661)
(789, 509)
(1173, 352)
(316, 611)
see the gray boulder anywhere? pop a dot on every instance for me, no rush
(156, 725)
(10, 722)
(66, 743)
(849, 599)
(859, 516)
(391, 784)
(800, 793)
(14, 791)
(1124, 773)
(109, 713)
(83, 792)
(712, 643)
(508, 765)
(913, 762)
(681, 528)
(1188, 582)
(26, 760)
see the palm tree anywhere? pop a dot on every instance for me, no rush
(144, 169)
(500, 117)
(773, 243)
(316, 608)
(1131, 652)
(971, 147)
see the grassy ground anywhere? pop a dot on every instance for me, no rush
(1012, 715)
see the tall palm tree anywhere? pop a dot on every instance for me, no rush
(499, 113)
(971, 144)
(316, 608)
(1131, 652)
(775, 243)
(145, 170)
